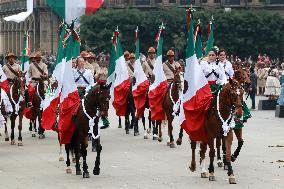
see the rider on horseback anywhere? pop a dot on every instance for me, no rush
(170, 66)
(11, 68)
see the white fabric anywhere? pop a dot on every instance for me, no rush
(272, 86)
(22, 15)
(158, 72)
(209, 67)
(121, 73)
(81, 82)
(74, 9)
(227, 65)
(6, 101)
(139, 74)
(91, 121)
(2, 75)
(2, 119)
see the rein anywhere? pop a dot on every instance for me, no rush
(176, 105)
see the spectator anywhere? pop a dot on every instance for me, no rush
(253, 88)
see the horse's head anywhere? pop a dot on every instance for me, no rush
(104, 98)
(177, 79)
(19, 84)
(235, 97)
(242, 76)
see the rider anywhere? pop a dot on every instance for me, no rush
(229, 71)
(213, 71)
(148, 65)
(131, 106)
(86, 56)
(94, 63)
(170, 66)
(83, 77)
(11, 68)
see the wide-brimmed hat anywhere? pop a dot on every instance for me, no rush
(170, 53)
(11, 55)
(85, 54)
(132, 55)
(92, 55)
(126, 53)
(35, 55)
(151, 50)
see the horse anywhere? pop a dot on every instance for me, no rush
(37, 109)
(130, 110)
(169, 101)
(94, 105)
(226, 107)
(16, 97)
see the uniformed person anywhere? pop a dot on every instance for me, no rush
(83, 77)
(11, 68)
(130, 66)
(94, 63)
(37, 69)
(148, 65)
(170, 66)
(228, 68)
(126, 56)
(86, 56)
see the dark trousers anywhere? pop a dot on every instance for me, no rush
(252, 97)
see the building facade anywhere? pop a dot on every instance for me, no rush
(42, 25)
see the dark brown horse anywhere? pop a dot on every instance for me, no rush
(170, 99)
(94, 105)
(226, 108)
(16, 97)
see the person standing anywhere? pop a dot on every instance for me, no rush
(253, 87)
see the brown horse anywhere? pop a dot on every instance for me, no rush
(16, 97)
(226, 108)
(37, 109)
(94, 105)
(170, 99)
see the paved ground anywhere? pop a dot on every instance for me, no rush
(132, 162)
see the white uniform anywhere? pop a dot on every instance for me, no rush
(83, 77)
(229, 71)
(214, 72)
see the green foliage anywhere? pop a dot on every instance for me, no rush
(240, 32)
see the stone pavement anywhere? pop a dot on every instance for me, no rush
(132, 162)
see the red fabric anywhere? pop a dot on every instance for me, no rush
(99, 81)
(31, 92)
(28, 113)
(212, 82)
(49, 115)
(195, 111)
(139, 96)
(92, 6)
(156, 98)
(5, 86)
(120, 97)
(68, 108)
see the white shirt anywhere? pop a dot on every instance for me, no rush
(209, 68)
(229, 71)
(81, 82)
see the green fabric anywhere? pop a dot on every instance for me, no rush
(81, 93)
(246, 116)
(215, 88)
(105, 121)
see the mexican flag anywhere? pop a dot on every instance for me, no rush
(69, 99)
(159, 87)
(197, 95)
(111, 65)
(141, 84)
(25, 64)
(122, 81)
(71, 9)
(51, 102)
(210, 41)
(4, 84)
(198, 40)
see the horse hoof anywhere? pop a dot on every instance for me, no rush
(146, 136)
(172, 145)
(61, 158)
(94, 149)
(160, 139)
(68, 170)
(6, 139)
(204, 175)
(220, 163)
(136, 133)
(155, 137)
(212, 178)
(225, 167)
(232, 180)
(13, 142)
(33, 135)
(20, 143)
(0, 134)
(119, 126)
(41, 136)
(192, 167)
(73, 160)
(96, 171)
(86, 175)
(233, 158)
(179, 141)
(127, 132)
(79, 172)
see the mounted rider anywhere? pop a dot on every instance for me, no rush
(170, 67)
(87, 57)
(11, 68)
(93, 62)
(37, 71)
(148, 65)
(83, 76)
(228, 68)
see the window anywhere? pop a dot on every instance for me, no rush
(158, 1)
(172, 1)
(142, 2)
(234, 2)
(276, 2)
(187, 2)
(216, 1)
(204, 1)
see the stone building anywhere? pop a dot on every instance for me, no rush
(42, 25)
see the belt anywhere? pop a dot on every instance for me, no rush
(212, 82)
(36, 79)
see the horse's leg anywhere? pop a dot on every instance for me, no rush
(218, 147)
(136, 127)
(77, 156)
(40, 129)
(203, 148)
(228, 142)
(212, 156)
(13, 118)
(6, 133)
(180, 135)
(20, 127)
(33, 123)
(159, 125)
(67, 150)
(119, 122)
(192, 166)
(224, 154)
(96, 170)
(144, 126)
(170, 133)
(126, 121)
(239, 135)
(84, 146)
